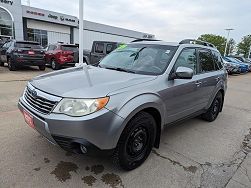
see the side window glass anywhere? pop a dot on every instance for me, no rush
(99, 48)
(109, 48)
(218, 60)
(206, 61)
(187, 58)
(8, 44)
(49, 48)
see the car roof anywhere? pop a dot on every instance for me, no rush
(107, 42)
(176, 44)
(157, 43)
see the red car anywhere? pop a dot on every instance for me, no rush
(58, 55)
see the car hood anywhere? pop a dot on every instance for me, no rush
(89, 82)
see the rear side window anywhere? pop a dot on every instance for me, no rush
(109, 48)
(52, 47)
(28, 45)
(187, 58)
(69, 48)
(218, 60)
(99, 48)
(206, 61)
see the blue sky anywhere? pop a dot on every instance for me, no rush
(169, 20)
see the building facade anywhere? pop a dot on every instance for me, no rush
(47, 27)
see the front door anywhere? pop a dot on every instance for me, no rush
(181, 96)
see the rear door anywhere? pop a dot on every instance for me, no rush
(209, 75)
(97, 52)
(49, 54)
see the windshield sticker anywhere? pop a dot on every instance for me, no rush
(168, 51)
(122, 46)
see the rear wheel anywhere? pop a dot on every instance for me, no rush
(215, 108)
(11, 65)
(136, 142)
(55, 65)
(1, 63)
(42, 67)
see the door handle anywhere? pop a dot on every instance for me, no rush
(198, 83)
(217, 79)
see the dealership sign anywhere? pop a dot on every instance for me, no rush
(35, 13)
(7, 2)
(52, 16)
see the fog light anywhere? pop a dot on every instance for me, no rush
(83, 149)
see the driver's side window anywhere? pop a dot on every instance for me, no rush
(187, 58)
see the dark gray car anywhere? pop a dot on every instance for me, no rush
(121, 107)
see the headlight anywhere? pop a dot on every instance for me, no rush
(80, 107)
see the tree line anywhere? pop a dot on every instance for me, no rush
(242, 48)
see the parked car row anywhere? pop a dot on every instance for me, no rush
(17, 54)
(237, 65)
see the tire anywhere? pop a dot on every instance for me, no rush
(215, 108)
(136, 142)
(11, 65)
(54, 65)
(41, 67)
(1, 63)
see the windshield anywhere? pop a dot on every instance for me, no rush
(28, 45)
(140, 58)
(69, 48)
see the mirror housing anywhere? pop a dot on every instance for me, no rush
(183, 73)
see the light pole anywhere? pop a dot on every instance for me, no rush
(228, 33)
(81, 31)
(249, 53)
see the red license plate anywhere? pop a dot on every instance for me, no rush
(31, 52)
(28, 119)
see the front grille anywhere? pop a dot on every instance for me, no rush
(39, 103)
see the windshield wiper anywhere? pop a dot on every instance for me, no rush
(118, 69)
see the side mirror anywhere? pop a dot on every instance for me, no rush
(183, 73)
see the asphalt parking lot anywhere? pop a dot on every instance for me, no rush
(192, 154)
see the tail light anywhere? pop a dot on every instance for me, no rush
(31, 52)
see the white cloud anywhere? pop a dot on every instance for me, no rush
(167, 19)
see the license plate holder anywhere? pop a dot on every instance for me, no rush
(29, 119)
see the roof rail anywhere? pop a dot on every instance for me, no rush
(139, 40)
(194, 41)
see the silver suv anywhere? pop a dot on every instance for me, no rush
(121, 106)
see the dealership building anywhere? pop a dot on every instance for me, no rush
(46, 27)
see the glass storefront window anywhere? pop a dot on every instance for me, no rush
(6, 24)
(37, 35)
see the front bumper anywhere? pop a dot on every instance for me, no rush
(98, 132)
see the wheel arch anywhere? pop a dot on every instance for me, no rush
(154, 107)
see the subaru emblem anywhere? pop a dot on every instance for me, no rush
(34, 93)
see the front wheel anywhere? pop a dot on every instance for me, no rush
(136, 142)
(54, 65)
(215, 108)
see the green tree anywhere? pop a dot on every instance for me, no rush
(244, 46)
(231, 46)
(216, 40)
